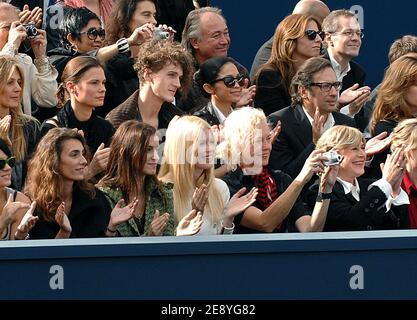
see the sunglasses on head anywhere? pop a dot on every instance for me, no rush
(10, 161)
(93, 33)
(312, 34)
(230, 81)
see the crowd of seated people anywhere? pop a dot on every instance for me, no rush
(111, 128)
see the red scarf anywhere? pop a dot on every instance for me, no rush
(267, 189)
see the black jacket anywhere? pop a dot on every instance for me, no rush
(88, 217)
(347, 214)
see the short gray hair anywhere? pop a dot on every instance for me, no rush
(331, 22)
(192, 26)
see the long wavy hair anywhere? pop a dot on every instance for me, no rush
(17, 136)
(178, 167)
(128, 157)
(45, 184)
(391, 103)
(285, 42)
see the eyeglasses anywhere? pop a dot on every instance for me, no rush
(10, 161)
(350, 33)
(312, 34)
(93, 33)
(230, 81)
(327, 86)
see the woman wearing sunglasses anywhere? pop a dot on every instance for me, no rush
(81, 91)
(219, 80)
(297, 38)
(16, 211)
(67, 204)
(20, 131)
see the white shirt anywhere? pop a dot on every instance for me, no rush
(383, 185)
(220, 114)
(327, 125)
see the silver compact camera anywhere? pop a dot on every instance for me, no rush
(31, 30)
(159, 34)
(333, 158)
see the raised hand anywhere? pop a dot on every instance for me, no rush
(168, 29)
(353, 93)
(276, 131)
(27, 16)
(200, 196)
(122, 213)
(38, 44)
(240, 202)
(328, 179)
(27, 223)
(141, 34)
(190, 224)
(158, 224)
(247, 95)
(99, 162)
(317, 127)
(5, 128)
(377, 144)
(393, 170)
(17, 34)
(313, 165)
(11, 208)
(62, 219)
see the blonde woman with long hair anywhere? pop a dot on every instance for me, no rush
(405, 136)
(189, 165)
(20, 131)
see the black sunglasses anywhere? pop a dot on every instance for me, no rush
(93, 33)
(230, 81)
(10, 161)
(312, 34)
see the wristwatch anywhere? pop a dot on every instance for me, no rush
(323, 196)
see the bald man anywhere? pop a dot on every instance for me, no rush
(315, 8)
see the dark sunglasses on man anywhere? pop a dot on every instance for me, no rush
(312, 34)
(10, 161)
(230, 81)
(93, 33)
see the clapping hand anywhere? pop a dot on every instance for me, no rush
(190, 224)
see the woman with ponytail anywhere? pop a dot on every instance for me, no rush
(83, 89)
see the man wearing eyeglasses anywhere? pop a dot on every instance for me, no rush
(344, 40)
(315, 94)
(40, 76)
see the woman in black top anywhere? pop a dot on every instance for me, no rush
(83, 90)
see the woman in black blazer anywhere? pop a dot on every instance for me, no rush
(364, 204)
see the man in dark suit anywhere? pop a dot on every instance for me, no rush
(315, 92)
(343, 40)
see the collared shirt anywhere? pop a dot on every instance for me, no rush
(411, 191)
(220, 114)
(340, 74)
(383, 185)
(327, 125)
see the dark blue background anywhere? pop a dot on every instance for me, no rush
(251, 23)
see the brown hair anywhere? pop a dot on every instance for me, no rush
(154, 55)
(128, 157)
(44, 184)
(391, 103)
(74, 71)
(285, 42)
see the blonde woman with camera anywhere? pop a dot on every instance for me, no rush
(364, 204)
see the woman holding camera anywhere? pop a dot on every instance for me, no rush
(364, 204)
(245, 150)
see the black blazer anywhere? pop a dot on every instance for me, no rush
(347, 214)
(295, 142)
(207, 113)
(355, 75)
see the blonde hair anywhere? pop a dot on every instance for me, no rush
(391, 103)
(238, 133)
(17, 136)
(405, 134)
(339, 138)
(45, 184)
(178, 167)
